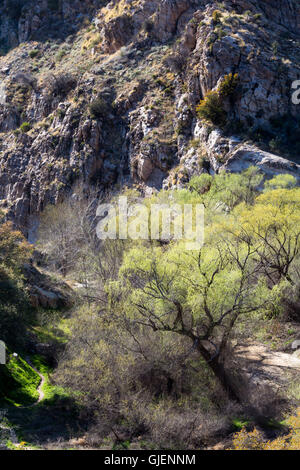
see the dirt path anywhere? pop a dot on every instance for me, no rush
(40, 387)
(9, 431)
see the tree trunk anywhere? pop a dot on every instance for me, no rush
(219, 371)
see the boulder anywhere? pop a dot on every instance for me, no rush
(295, 344)
(45, 298)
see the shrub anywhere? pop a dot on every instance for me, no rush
(228, 85)
(219, 32)
(275, 47)
(33, 53)
(27, 80)
(61, 54)
(61, 113)
(201, 184)
(211, 109)
(216, 16)
(25, 127)
(257, 16)
(59, 84)
(254, 440)
(98, 108)
(274, 144)
(281, 181)
(96, 41)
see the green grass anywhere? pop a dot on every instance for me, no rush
(48, 334)
(240, 423)
(25, 127)
(18, 383)
(51, 392)
(55, 416)
(275, 424)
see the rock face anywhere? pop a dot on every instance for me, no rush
(296, 344)
(105, 92)
(121, 22)
(45, 299)
(44, 292)
(230, 154)
(263, 375)
(265, 66)
(24, 20)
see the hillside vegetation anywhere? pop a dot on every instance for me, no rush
(149, 342)
(157, 324)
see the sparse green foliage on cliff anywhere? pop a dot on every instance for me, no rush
(211, 109)
(98, 108)
(228, 85)
(216, 16)
(25, 127)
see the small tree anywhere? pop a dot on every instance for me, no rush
(59, 236)
(229, 188)
(200, 296)
(272, 228)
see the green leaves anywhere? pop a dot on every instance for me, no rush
(228, 188)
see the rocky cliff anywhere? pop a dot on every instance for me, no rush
(106, 93)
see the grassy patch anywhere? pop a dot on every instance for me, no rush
(47, 334)
(55, 416)
(19, 383)
(240, 423)
(52, 393)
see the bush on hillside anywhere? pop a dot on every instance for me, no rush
(211, 109)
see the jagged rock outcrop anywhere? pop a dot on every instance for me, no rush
(250, 46)
(121, 21)
(101, 92)
(24, 20)
(219, 152)
(44, 292)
